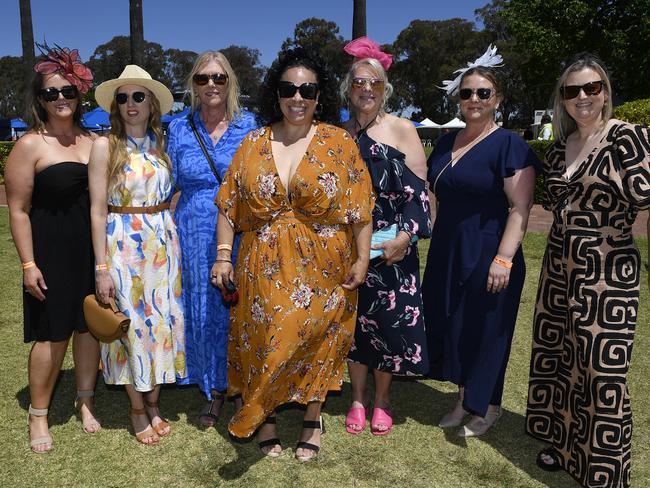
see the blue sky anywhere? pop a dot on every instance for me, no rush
(198, 25)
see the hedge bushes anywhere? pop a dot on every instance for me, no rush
(5, 149)
(634, 112)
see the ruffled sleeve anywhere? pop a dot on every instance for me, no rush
(516, 155)
(415, 213)
(631, 159)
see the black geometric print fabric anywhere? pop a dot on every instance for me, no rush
(586, 309)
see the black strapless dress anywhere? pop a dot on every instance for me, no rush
(60, 218)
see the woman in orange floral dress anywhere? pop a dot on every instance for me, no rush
(300, 194)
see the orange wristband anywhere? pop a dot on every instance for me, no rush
(101, 267)
(29, 264)
(502, 262)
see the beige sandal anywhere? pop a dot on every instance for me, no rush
(146, 433)
(87, 424)
(39, 441)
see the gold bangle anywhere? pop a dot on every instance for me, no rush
(29, 264)
(101, 267)
(222, 247)
(502, 262)
(218, 260)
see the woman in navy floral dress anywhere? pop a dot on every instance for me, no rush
(389, 336)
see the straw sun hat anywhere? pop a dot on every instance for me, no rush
(133, 75)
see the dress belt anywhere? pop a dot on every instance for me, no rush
(139, 210)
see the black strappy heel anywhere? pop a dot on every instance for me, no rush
(310, 424)
(555, 457)
(274, 441)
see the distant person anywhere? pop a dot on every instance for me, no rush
(301, 196)
(136, 246)
(597, 176)
(201, 147)
(483, 178)
(47, 193)
(546, 129)
(389, 337)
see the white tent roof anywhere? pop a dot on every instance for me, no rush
(454, 123)
(429, 124)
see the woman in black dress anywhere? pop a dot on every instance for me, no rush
(389, 336)
(47, 193)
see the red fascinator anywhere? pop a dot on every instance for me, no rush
(67, 63)
(363, 47)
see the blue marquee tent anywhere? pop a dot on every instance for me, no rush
(18, 124)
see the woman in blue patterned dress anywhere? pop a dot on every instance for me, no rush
(221, 125)
(389, 336)
(136, 246)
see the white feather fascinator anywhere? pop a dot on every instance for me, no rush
(489, 59)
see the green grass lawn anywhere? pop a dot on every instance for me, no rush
(416, 454)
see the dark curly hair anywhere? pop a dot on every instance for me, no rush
(328, 99)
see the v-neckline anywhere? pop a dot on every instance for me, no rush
(578, 166)
(213, 145)
(451, 150)
(287, 189)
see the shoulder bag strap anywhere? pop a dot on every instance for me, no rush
(199, 139)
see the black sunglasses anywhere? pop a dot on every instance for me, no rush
(138, 97)
(51, 94)
(591, 88)
(217, 78)
(482, 93)
(308, 91)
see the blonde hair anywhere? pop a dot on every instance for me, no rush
(563, 123)
(232, 98)
(117, 153)
(378, 70)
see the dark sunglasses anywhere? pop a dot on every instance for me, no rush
(308, 91)
(51, 94)
(481, 93)
(373, 83)
(138, 97)
(591, 88)
(217, 78)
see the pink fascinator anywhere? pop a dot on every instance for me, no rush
(363, 47)
(67, 63)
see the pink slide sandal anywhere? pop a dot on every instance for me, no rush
(381, 416)
(356, 416)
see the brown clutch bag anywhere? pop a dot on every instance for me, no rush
(105, 322)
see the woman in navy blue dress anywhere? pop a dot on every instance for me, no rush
(221, 125)
(389, 337)
(483, 179)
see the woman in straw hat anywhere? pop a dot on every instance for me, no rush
(136, 246)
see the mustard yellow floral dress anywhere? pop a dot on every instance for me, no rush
(294, 324)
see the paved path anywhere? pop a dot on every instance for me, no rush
(540, 219)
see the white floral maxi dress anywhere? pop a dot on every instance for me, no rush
(143, 257)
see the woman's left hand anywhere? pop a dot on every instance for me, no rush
(498, 278)
(357, 275)
(395, 249)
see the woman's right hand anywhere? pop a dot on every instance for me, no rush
(221, 273)
(34, 283)
(104, 287)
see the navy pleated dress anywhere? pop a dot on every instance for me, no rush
(469, 330)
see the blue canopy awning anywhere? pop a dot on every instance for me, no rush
(96, 119)
(18, 124)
